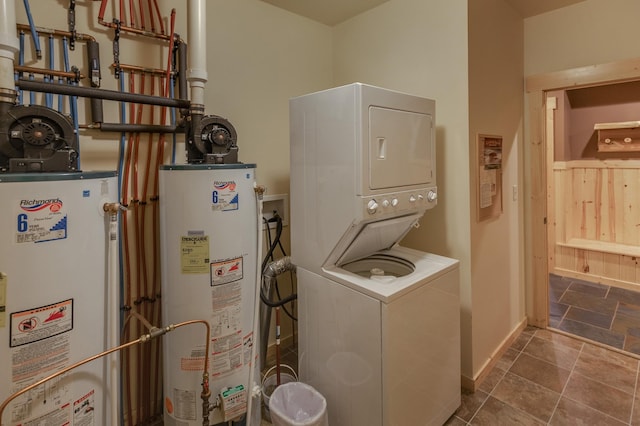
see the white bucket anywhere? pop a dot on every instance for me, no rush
(269, 384)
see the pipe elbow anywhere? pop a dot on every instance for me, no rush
(278, 267)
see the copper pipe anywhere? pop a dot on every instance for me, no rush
(143, 339)
(67, 369)
(103, 7)
(155, 3)
(57, 33)
(46, 71)
(133, 30)
(137, 68)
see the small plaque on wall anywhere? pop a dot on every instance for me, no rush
(489, 166)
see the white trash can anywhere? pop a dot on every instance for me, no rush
(298, 404)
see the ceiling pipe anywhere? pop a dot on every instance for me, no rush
(197, 39)
(9, 46)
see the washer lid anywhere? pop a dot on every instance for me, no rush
(371, 237)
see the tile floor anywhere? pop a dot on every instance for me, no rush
(598, 312)
(547, 378)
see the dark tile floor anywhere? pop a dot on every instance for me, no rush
(598, 312)
(546, 378)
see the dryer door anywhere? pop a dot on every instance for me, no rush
(400, 148)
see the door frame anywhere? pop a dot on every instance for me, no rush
(540, 216)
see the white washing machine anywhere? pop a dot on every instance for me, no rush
(379, 324)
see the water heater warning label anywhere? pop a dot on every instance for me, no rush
(83, 410)
(226, 271)
(40, 323)
(39, 220)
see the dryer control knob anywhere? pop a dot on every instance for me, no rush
(420, 197)
(432, 196)
(394, 202)
(385, 203)
(412, 199)
(372, 206)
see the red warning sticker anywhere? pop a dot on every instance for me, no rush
(40, 323)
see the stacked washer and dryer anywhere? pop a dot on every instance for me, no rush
(379, 324)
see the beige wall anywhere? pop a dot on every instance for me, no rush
(586, 33)
(496, 108)
(420, 47)
(427, 55)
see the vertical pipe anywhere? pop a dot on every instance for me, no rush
(121, 155)
(73, 101)
(93, 55)
(9, 45)
(182, 71)
(114, 310)
(197, 37)
(34, 32)
(32, 94)
(173, 123)
(49, 96)
(251, 387)
(20, 62)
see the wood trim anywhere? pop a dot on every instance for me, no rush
(597, 164)
(551, 104)
(539, 314)
(473, 384)
(591, 75)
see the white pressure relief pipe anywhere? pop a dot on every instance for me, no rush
(197, 41)
(254, 390)
(113, 305)
(9, 45)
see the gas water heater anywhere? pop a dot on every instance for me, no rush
(209, 240)
(53, 293)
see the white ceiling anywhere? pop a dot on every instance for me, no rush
(332, 12)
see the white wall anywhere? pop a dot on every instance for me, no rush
(420, 47)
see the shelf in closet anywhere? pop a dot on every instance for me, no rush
(621, 136)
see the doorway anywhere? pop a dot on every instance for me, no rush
(578, 253)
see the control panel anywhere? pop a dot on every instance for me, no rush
(400, 202)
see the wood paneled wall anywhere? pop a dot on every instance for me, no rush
(597, 221)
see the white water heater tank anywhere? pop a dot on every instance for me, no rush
(53, 292)
(209, 245)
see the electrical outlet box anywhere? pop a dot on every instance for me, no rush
(275, 203)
